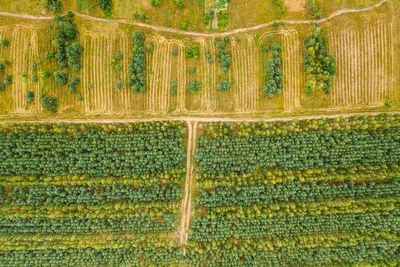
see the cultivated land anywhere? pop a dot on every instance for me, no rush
(224, 178)
(365, 45)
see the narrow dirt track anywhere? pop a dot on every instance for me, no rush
(165, 29)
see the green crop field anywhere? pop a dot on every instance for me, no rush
(199, 133)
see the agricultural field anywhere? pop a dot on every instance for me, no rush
(307, 192)
(91, 194)
(199, 133)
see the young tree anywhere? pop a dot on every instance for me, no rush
(61, 77)
(30, 96)
(174, 52)
(7, 79)
(5, 42)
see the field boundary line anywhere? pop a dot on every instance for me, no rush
(165, 29)
(197, 119)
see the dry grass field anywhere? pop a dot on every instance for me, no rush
(366, 51)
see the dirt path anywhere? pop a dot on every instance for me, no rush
(187, 192)
(194, 119)
(165, 29)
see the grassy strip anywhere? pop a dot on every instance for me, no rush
(274, 176)
(174, 176)
(105, 240)
(145, 224)
(337, 206)
(109, 210)
(223, 228)
(361, 253)
(132, 256)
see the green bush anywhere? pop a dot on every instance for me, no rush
(174, 52)
(179, 3)
(118, 56)
(194, 87)
(149, 47)
(193, 70)
(2, 86)
(192, 52)
(53, 5)
(61, 77)
(49, 103)
(223, 86)
(34, 67)
(106, 6)
(7, 79)
(118, 85)
(1, 67)
(156, 2)
(117, 67)
(173, 92)
(174, 84)
(34, 78)
(30, 96)
(5, 42)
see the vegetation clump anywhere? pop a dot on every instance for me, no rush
(223, 86)
(179, 3)
(49, 102)
(318, 64)
(274, 72)
(192, 52)
(61, 77)
(30, 96)
(138, 64)
(106, 6)
(194, 87)
(5, 42)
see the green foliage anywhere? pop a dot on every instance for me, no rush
(209, 58)
(223, 86)
(53, 5)
(73, 83)
(118, 85)
(149, 47)
(221, 45)
(34, 78)
(315, 12)
(183, 26)
(179, 3)
(49, 103)
(173, 93)
(174, 52)
(48, 54)
(1, 67)
(156, 2)
(318, 64)
(118, 56)
(224, 59)
(34, 67)
(274, 72)
(174, 84)
(222, 18)
(79, 97)
(117, 67)
(270, 38)
(138, 64)
(193, 70)
(5, 42)
(2, 87)
(61, 77)
(280, 9)
(106, 6)
(192, 52)
(7, 79)
(194, 87)
(30, 96)
(6, 62)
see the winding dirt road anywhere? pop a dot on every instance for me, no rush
(165, 29)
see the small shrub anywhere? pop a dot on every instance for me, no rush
(117, 67)
(118, 85)
(130, 81)
(266, 49)
(34, 67)
(174, 52)
(5, 42)
(270, 38)
(179, 3)
(149, 47)
(48, 54)
(173, 92)
(223, 86)
(25, 75)
(118, 56)
(183, 26)
(6, 62)
(7, 79)
(49, 103)
(1, 67)
(194, 87)
(156, 2)
(226, 39)
(2, 86)
(193, 70)
(106, 6)
(74, 81)
(30, 96)
(34, 78)
(174, 84)
(192, 52)
(61, 77)
(79, 97)
(221, 45)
